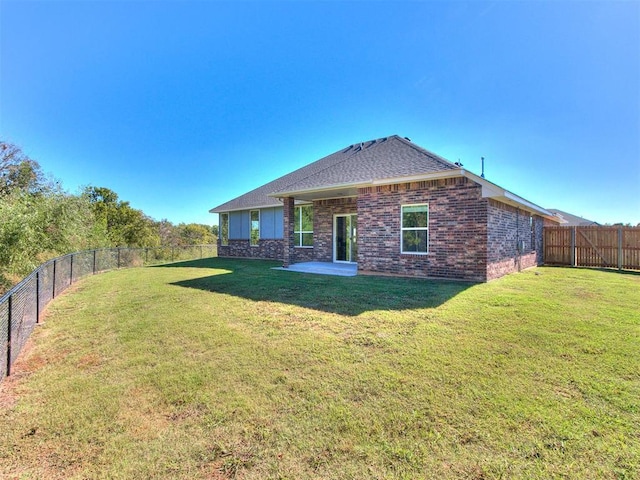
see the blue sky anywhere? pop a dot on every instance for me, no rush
(180, 106)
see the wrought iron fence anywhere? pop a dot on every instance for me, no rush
(21, 307)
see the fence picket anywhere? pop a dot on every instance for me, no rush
(593, 246)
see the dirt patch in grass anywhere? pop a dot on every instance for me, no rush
(25, 365)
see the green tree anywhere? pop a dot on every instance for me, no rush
(125, 226)
(196, 234)
(37, 227)
(19, 173)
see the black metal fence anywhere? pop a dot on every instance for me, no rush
(20, 307)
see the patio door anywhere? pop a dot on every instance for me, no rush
(345, 247)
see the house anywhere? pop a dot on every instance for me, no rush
(569, 220)
(392, 207)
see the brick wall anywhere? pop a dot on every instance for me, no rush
(323, 212)
(266, 249)
(514, 239)
(539, 238)
(470, 237)
(457, 229)
(301, 254)
(322, 251)
(288, 254)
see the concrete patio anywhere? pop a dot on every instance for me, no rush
(323, 268)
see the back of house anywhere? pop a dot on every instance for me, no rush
(391, 207)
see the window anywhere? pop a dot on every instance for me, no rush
(224, 229)
(303, 226)
(254, 237)
(415, 229)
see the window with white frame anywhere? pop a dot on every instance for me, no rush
(415, 228)
(224, 229)
(254, 227)
(303, 228)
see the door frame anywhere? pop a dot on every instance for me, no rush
(353, 238)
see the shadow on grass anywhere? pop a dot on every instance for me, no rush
(599, 269)
(255, 280)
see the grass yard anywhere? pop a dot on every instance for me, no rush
(228, 369)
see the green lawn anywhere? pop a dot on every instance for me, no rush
(228, 369)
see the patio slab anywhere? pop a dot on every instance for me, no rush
(323, 268)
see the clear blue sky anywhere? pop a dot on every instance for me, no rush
(180, 106)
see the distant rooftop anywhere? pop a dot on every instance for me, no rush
(572, 220)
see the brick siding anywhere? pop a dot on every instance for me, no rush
(470, 237)
(323, 212)
(457, 229)
(514, 239)
(266, 249)
(288, 253)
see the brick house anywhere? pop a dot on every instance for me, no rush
(392, 207)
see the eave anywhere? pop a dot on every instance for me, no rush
(496, 192)
(489, 190)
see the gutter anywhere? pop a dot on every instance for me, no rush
(489, 189)
(240, 209)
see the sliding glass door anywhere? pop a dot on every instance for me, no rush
(345, 247)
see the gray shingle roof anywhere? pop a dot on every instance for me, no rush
(572, 220)
(379, 159)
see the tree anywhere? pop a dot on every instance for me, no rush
(168, 232)
(196, 234)
(18, 172)
(125, 225)
(36, 228)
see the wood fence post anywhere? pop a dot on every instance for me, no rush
(620, 234)
(573, 247)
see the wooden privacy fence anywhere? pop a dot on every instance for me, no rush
(593, 246)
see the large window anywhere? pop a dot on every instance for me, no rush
(255, 227)
(224, 229)
(415, 228)
(303, 227)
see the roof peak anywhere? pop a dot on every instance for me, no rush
(366, 144)
(385, 157)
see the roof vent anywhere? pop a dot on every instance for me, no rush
(407, 138)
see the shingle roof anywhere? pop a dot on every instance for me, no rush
(383, 158)
(572, 220)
